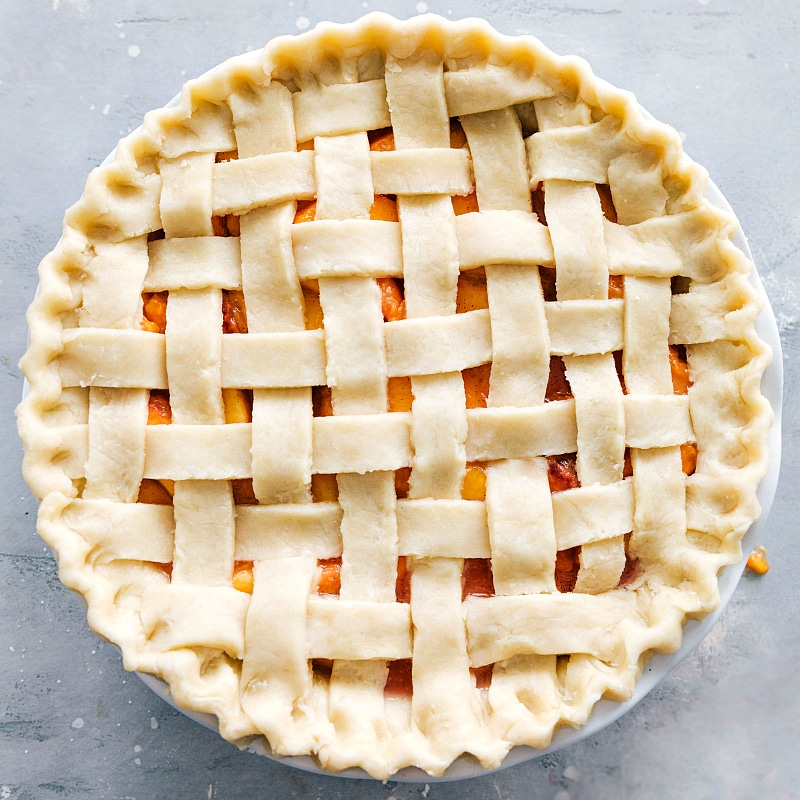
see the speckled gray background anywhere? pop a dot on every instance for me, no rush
(75, 75)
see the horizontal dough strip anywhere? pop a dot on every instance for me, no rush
(550, 429)
(345, 443)
(181, 615)
(372, 248)
(358, 631)
(195, 262)
(120, 359)
(344, 248)
(269, 360)
(348, 444)
(430, 345)
(713, 312)
(435, 345)
(657, 420)
(340, 108)
(502, 237)
(198, 452)
(285, 530)
(499, 628)
(545, 430)
(580, 153)
(489, 87)
(423, 171)
(351, 630)
(662, 247)
(222, 452)
(418, 346)
(425, 528)
(585, 327)
(243, 184)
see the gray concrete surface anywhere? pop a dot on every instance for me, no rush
(75, 75)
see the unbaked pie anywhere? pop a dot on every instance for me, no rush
(395, 394)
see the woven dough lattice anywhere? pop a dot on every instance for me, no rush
(489, 669)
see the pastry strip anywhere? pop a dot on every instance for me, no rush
(186, 195)
(199, 262)
(111, 290)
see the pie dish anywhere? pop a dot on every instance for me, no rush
(461, 386)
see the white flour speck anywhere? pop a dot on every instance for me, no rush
(153, 723)
(137, 748)
(302, 23)
(106, 108)
(78, 723)
(571, 774)
(5, 792)
(426, 791)
(123, 35)
(81, 6)
(704, 2)
(421, 8)
(137, 761)
(134, 50)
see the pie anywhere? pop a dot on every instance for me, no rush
(395, 394)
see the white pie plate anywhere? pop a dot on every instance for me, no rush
(660, 665)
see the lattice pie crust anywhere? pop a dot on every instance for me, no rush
(309, 670)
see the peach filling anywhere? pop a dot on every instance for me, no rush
(471, 295)
(757, 561)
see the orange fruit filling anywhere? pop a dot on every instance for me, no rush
(471, 294)
(154, 312)
(567, 566)
(243, 576)
(757, 561)
(324, 488)
(399, 679)
(473, 486)
(234, 312)
(477, 578)
(558, 387)
(159, 411)
(400, 395)
(330, 576)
